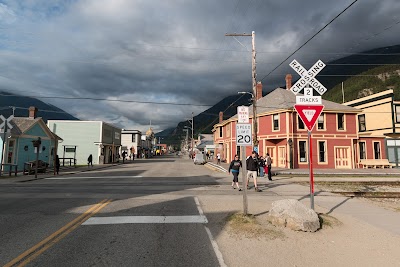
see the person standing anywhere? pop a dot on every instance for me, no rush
(57, 164)
(261, 165)
(90, 161)
(234, 167)
(268, 163)
(219, 158)
(252, 167)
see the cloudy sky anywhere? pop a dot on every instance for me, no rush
(172, 51)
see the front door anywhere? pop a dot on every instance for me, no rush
(282, 156)
(342, 158)
(271, 151)
(394, 155)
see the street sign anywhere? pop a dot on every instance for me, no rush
(307, 100)
(8, 121)
(243, 114)
(309, 114)
(243, 134)
(307, 77)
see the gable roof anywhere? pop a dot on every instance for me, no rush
(23, 124)
(282, 99)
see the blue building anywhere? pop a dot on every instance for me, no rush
(19, 147)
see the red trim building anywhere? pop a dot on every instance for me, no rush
(282, 134)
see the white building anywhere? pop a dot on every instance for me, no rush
(131, 142)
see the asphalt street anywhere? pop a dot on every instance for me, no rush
(143, 213)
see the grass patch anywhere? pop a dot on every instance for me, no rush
(328, 221)
(249, 227)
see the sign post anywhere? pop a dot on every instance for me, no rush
(243, 139)
(308, 106)
(7, 126)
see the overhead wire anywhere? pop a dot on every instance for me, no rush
(312, 37)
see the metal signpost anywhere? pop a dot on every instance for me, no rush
(308, 106)
(6, 124)
(243, 139)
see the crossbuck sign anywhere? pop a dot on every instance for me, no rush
(308, 77)
(8, 120)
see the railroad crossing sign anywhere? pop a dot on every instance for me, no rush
(243, 134)
(308, 77)
(6, 121)
(309, 114)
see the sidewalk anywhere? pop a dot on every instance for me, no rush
(63, 171)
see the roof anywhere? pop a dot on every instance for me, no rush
(282, 99)
(23, 124)
(203, 144)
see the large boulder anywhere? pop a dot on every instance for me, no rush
(293, 214)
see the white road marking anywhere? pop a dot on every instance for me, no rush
(145, 219)
(214, 244)
(99, 177)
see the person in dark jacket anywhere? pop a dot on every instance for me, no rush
(90, 160)
(252, 167)
(57, 164)
(234, 167)
(261, 165)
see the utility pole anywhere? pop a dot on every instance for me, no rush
(254, 84)
(192, 135)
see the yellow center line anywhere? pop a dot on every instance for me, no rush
(46, 243)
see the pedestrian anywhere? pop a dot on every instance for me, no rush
(123, 156)
(208, 155)
(57, 164)
(268, 163)
(90, 161)
(218, 158)
(261, 165)
(234, 167)
(252, 167)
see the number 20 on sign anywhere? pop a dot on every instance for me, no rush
(243, 134)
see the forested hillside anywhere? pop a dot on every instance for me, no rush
(366, 83)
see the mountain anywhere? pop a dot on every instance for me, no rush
(336, 72)
(22, 104)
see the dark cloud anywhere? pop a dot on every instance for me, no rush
(172, 51)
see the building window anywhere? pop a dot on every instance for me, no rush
(362, 150)
(397, 114)
(133, 138)
(276, 122)
(220, 132)
(322, 151)
(377, 150)
(340, 121)
(302, 151)
(300, 123)
(321, 123)
(361, 123)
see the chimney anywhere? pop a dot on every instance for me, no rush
(288, 81)
(259, 90)
(221, 116)
(32, 112)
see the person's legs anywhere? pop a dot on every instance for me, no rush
(249, 173)
(269, 173)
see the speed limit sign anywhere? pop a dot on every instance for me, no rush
(243, 134)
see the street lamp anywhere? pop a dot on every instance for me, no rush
(255, 125)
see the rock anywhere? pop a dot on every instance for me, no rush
(294, 215)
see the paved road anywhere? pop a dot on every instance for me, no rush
(141, 214)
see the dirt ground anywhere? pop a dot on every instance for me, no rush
(387, 203)
(343, 241)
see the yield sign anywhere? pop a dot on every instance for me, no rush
(309, 114)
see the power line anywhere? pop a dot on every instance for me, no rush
(312, 37)
(109, 100)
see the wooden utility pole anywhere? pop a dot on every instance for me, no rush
(254, 84)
